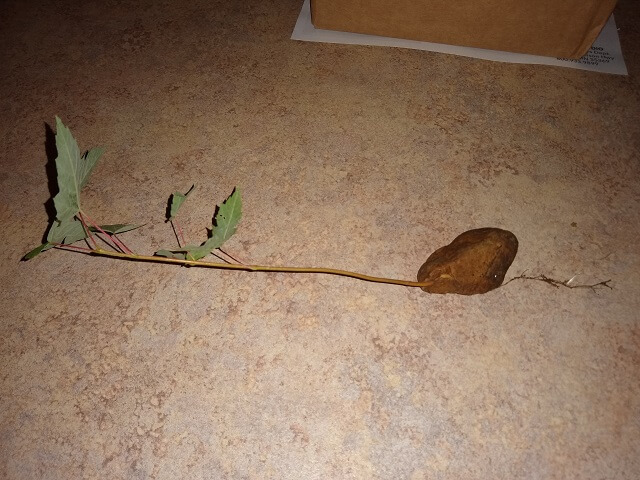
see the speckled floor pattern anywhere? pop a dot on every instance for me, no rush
(349, 157)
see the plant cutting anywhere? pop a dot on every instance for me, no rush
(474, 262)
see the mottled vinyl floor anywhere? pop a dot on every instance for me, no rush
(350, 157)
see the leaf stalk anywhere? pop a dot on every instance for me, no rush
(113, 237)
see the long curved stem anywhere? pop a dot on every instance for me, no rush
(257, 268)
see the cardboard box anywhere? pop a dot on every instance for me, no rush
(555, 28)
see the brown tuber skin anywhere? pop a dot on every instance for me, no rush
(475, 262)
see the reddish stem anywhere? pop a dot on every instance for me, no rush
(179, 234)
(114, 246)
(120, 243)
(115, 239)
(231, 257)
(87, 230)
(220, 258)
(72, 247)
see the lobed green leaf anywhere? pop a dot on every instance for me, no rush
(73, 171)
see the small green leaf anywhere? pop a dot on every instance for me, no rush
(170, 254)
(190, 252)
(226, 223)
(36, 251)
(177, 199)
(196, 252)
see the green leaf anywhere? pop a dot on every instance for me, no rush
(90, 159)
(68, 231)
(177, 199)
(190, 252)
(196, 252)
(227, 219)
(73, 172)
(226, 223)
(170, 254)
(36, 251)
